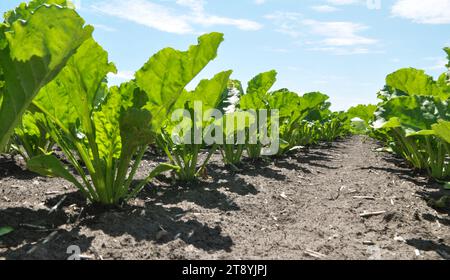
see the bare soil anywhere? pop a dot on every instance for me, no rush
(304, 206)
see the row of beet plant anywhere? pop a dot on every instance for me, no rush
(258, 122)
(413, 119)
(54, 93)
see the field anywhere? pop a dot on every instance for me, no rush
(306, 206)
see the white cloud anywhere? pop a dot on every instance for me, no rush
(196, 6)
(339, 34)
(259, 2)
(333, 5)
(341, 38)
(166, 19)
(145, 13)
(324, 9)
(288, 23)
(436, 64)
(343, 2)
(426, 12)
(277, 50)
(342, 51)
(242, 24)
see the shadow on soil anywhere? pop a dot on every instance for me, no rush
(41, 235)
(305, 160)
(428, 245)
(9, 168)
(260, 168)
(36, 235)
(206, 194)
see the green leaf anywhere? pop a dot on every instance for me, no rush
(83, 76)
(442, 129)
(31, 138)
(413, 113)
(209, 92)
(314, 106)
(444, 83)
(252, 101)
(257, 94)
(262, 83)
(37, 49)
(5, 230)
(363, 112)
(312, 100)
(25, 10)
(164, 77)
(163, 167)
(425, 132)
(134, 130)
(285, 101)
(447, 186)
(29, 126)
(79, 84)
(50, 166)
(360, 118)
(107, 126)
(390, 123)
(414, 82)
(57, 103)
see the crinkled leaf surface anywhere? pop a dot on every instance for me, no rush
(36, 51)
(413, 113)
(442, 129)
(363, 112)
(262, 83)
(414, 82)
(73, 95)
(285, 101)
(164, 77)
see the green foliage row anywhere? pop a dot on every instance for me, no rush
(54, 93)
(412, 119)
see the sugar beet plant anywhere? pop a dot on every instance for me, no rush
(191, 121)
(255, 101)
(234, 126)
(413, 119)
(109, 130)
(235, 129)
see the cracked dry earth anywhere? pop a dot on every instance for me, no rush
(339, 201)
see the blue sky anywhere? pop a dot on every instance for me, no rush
(343, 48)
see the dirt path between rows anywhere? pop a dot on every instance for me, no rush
(306, 206)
